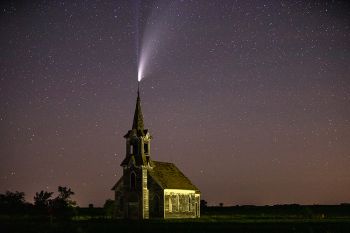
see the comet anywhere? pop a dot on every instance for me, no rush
(155, 37)
(140, 69)
(147, 53)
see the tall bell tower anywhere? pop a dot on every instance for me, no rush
(149, 188)
(137, 161)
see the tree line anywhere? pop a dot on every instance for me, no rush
(45, 204)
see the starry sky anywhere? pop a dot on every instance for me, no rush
(250, 99)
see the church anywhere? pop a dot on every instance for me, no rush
(148, 188)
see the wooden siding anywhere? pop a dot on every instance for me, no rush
(145, 194)
(156, 207)
(181, 204)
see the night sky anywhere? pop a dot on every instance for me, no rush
(250, 99)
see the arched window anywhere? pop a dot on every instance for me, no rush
(131, 149)
(145, 148)
(132, 180)
(134, 149)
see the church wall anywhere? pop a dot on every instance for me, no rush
(181, 203)
(126, 178)
(149, 200)
(145, 194)
(156, 199)
(118, 203)
(132, 197)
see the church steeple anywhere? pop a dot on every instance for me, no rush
(138, 117)
(138, 139)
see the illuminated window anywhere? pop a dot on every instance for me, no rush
(170, 205)
(178, 202)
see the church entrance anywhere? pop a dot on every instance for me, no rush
(156, 206)
(133, 210)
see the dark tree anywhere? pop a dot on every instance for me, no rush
(65, 194)
(62, 205)
(204, 204)
(42, 199)
(109, 207)
(12, 198)
(12, 202)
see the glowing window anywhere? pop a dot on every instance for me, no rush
(177, 202)
(170, 205)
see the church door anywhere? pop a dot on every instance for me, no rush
(156, 206)
(133, 210)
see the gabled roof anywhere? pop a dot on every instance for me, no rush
(118, 183)
(168, 176)
(135, 132)
(137, 159)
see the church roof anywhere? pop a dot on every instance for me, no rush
(135, 132)
(138, 160)
(118, 183)
(168, 176)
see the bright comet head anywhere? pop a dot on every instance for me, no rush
(139, 77)
(140, 72)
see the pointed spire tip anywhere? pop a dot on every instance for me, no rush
(138, 118)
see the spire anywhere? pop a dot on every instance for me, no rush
(138, 118)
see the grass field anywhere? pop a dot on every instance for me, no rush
(204, 224)
(232, 219)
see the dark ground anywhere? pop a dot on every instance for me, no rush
(286, 218)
